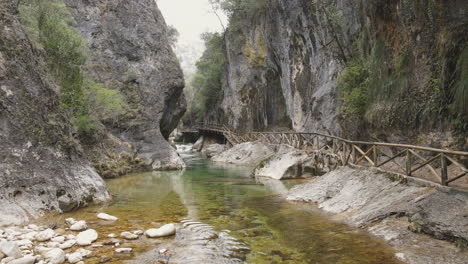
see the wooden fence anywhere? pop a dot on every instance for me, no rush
(445, 166)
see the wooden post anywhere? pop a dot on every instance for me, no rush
(375, 156)
(408, 163)
(443, 170)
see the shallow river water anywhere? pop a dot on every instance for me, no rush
(226, 197)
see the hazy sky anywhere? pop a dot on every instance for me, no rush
(190, 17)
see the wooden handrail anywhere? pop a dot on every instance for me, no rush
(349, 148)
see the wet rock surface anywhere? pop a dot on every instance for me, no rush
(41, 166)
(371, 198)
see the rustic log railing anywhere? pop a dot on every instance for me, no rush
(445, 166)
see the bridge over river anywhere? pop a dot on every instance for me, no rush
(442, 166)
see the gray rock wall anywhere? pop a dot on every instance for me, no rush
(130, 52)
(284, 63)
(41, 168)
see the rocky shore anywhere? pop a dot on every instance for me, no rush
(73, 243)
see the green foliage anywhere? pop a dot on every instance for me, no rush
(86, 127)
(460, 87)
(106, 104)
(375, 78)
(249, 7)
(460, 96)
(49, 24)
(353, 83)
(208, 78)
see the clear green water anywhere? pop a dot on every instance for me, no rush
(228, 198)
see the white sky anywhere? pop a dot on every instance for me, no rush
(191, 18)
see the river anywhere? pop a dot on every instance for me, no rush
(228, 198)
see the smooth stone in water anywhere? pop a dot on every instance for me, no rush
(128, 236)
(55, 256)
(84, 252)
(59, 239)
(79, 226)
(87, 237)
(165, 230)
(123, 250)
(10, 249)
(74, 257)
(23, 260)
(106, 217)
(45, 235)
(70, 221)
(67, 244)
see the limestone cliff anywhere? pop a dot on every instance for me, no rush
(131, 53)
(286, 60)
(41, 168)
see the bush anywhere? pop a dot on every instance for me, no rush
(106, 104)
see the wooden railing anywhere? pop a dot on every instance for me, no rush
(443, 166)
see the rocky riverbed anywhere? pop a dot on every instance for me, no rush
(70, 242)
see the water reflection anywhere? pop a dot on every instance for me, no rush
(227, 197)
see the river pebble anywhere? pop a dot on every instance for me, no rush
(165, 230)
(45, 235)
(87, 237)
(10, 249)
(123, 250)
(79, 226)
(23, 260)
(129, 236)
(55, 256)
(106, 217)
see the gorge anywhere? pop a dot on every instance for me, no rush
(94, 106)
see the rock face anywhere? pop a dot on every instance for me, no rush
(250, 153)
(284, 62)
(131, 53)
(41, 166)
(287, 163)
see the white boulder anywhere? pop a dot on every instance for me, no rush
(67, 244)
(287, 163)
(23, 260)
(10, 249)
(55, 256)
(79, 226)
(123, 250)
(129, 236)
(87, 237)
(45, 235)
(74, 257)
(165, 230)
(249, 153)
(106, 217)
(70, 221)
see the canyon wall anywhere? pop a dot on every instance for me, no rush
(41, 164)
(131, 53)
(368, 69)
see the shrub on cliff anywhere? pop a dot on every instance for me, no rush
(208, 78)
(50, 26)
